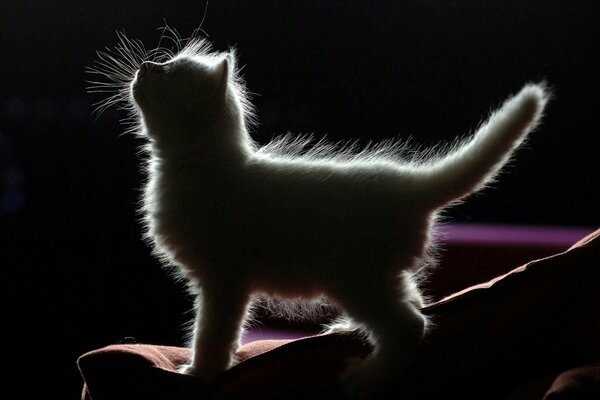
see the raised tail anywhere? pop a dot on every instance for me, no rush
(474, 163)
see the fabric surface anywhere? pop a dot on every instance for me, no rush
(578, 383)
(541, 319)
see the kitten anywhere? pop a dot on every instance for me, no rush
(236, 219)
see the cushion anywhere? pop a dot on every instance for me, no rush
(577, 383)
(539, 320)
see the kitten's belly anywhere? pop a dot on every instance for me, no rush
(310, 258)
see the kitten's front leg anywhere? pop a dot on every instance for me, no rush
(217, 329)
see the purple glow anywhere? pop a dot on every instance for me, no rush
(512, 234)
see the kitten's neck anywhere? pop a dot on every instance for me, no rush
(221, 139)
(223, 142)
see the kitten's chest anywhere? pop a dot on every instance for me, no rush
(189, 203)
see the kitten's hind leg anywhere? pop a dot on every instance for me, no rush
(217, 328)
(394, 326)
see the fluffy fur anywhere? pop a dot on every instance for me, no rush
(292, 219)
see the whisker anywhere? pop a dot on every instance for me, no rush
(162, 35)
(199, 28)
(115, 68)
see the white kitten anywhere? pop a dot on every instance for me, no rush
(236, 219)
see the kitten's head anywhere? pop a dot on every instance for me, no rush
(185, 89)
(166, 87)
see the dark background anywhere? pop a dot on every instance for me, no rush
(76, 274)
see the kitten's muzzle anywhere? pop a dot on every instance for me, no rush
(148, 67)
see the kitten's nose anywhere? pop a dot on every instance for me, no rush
(146, 66)
(149, 66)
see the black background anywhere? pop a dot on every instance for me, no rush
(76, 274)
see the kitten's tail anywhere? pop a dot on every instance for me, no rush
(473, 164)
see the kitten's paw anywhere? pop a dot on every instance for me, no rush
(341, 325)
(191, 369)
(187, 369)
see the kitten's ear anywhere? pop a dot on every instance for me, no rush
(221, 76)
